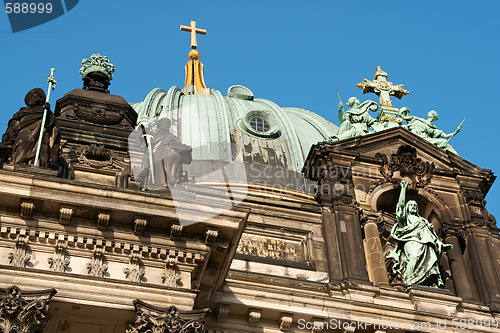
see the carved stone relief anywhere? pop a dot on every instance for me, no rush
(171, 319)
(20, 315)
(134, 272)
(97, 266)
(97, 156)
(406, 162)
(59, 261)
(480, 216)
(335, 184)
(22, 254)
(172, 276)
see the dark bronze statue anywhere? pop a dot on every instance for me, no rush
(167, 152)
(19, 143)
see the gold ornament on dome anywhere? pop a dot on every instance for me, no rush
(193, 30)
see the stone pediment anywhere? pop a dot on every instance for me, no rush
(373, 147)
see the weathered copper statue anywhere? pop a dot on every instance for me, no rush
(355, 121)
(419, 249)
(425, 129)
(19, 143)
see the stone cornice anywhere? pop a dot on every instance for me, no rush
(352, 147)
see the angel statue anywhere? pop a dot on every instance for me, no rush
(355, 121)
(425, 129)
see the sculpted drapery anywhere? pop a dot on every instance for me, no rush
(419, 249)
(23, 131)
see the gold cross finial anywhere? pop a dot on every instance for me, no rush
(193, 30)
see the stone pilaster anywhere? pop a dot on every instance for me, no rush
(458, 269)
(373, 249)
(483, 264)
(341, 225)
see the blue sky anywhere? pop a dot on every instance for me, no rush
(294, 53)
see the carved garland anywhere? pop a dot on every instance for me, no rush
(134, 272)
(97, 267)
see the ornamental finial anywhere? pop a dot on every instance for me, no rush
(194, 83)
(97, 63)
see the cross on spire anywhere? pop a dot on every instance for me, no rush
(383, 88)
(193, 30)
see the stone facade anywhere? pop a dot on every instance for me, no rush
(279, 261)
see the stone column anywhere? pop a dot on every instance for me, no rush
(458, 270)
(374, 252)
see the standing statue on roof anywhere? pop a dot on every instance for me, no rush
(355, 121)
(425, 129)
(19, 143)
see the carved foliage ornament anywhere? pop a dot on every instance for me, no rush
(134, 272)
(97, 266)
(96, 114)
(21, 255)
(452, 228)
(19, 315)
(59, 261)
(169, 320)
(406, 162)
(172, 276)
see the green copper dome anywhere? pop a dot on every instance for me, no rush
(273, 141)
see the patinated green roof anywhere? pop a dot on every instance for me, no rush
(211, 121)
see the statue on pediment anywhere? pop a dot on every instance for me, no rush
(355, 121)
(417, 254)
(19, 143)
(425, 129)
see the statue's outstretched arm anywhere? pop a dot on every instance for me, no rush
(400, 208)
(444, 135)
(341, 112)
(448, 136)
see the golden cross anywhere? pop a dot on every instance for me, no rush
(193, 30)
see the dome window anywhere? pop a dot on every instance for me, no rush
(259, 124)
